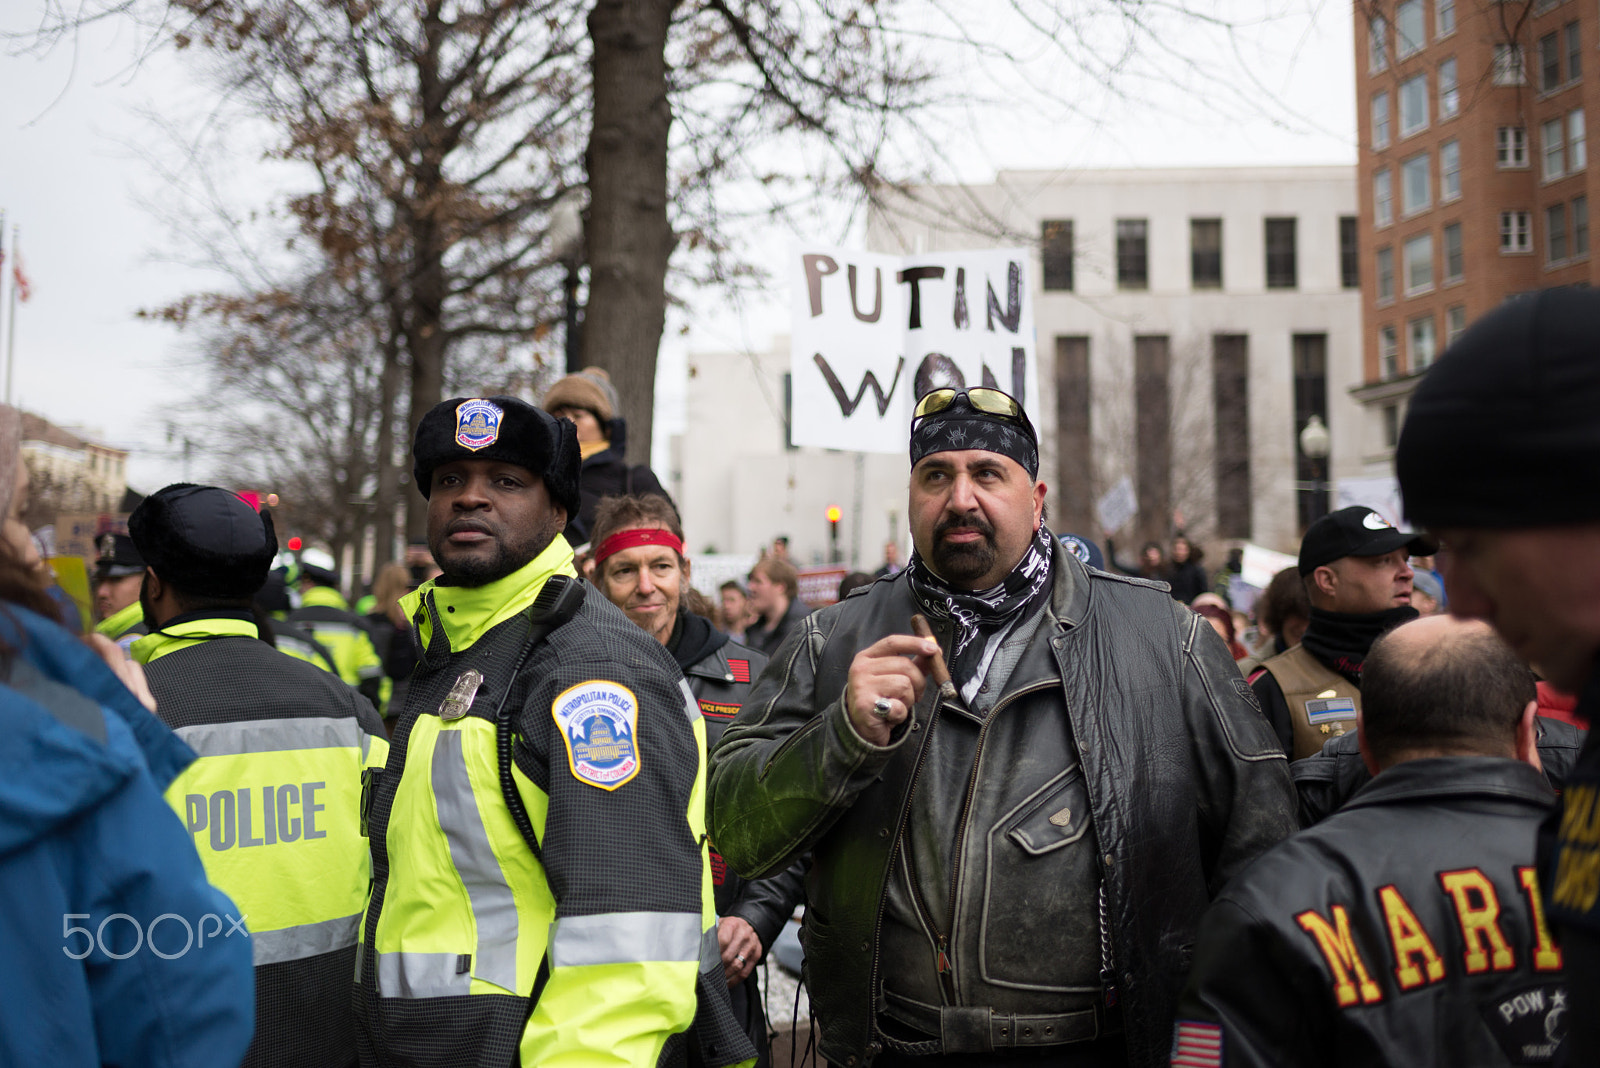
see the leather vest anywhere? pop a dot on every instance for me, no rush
(1322, 703)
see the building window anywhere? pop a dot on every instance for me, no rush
(1133, 253)
(1449, 171)
(1416, 193)
(1511, 147)
(1281, 273)
(1449, 92)
(1555, 233)
(1553, 148)
(1205, 253)
(1508, 65)
(1455, 323)
(1549, 62)
(1574, 35)
(1444, 18)
(1385, 274)
(1388, 352)
(1413, 105)
(1378, 44)
(1422, 343)
(1152, 447)
(1230, 389)
(1577, 141)
(1454, 260)
(1516, 232)
(1409, 34)
(1580, 226)
(1349, 253)
(1073, 437)
(1380, 120)
(1382, 197)
(1391, 425)
(1419, 264)
(1055, 250)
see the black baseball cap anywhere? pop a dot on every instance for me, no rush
(1357, 531)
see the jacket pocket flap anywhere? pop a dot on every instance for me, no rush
(1058, 818)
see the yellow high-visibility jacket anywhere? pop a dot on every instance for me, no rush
(273, 808)
(608, 927)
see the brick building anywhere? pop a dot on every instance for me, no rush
(1473, 175)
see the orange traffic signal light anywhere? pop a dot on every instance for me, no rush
(834, 513)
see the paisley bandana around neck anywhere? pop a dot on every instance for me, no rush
(983, 612)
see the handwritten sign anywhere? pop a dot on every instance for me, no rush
(872, 333)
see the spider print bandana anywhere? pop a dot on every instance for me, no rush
(977, 615)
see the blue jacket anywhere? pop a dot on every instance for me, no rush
(90, 856)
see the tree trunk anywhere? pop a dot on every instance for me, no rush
(424, 312)
(627, 234)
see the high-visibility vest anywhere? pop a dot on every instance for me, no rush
(462, 907)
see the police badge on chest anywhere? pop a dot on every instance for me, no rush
(458, 701)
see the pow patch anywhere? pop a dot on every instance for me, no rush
(599, 724)
(1242, 688)
(1530, 1025)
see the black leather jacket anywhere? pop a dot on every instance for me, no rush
(1123, 698)
(1420, 856)
(1330, 778)
(720, 681)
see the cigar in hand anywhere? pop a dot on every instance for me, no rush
(941, 673)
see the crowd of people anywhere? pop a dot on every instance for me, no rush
(541, 801)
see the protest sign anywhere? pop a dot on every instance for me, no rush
(872, 333)
(1117, 506)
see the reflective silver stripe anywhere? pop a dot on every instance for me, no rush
(272, 735)
(422, 975)
(625, 938)
(710, 950)
(690, 705)
(319, 627)
(306, 940)
(493, 908)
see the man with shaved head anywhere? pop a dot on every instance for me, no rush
(1407, 928)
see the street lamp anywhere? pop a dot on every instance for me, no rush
(566, 241)
(1315, 443)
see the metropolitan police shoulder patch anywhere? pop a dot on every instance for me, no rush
(599, 723)
(477, 424)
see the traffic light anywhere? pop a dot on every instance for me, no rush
(834, 514)
(294, 544)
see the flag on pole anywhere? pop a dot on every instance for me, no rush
(24, 288)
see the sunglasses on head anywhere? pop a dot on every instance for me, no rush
(983, 399)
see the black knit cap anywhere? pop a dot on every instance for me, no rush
(204, 540)
(1504, 431)
(500, 428)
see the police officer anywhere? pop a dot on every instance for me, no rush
(639, 564)
(118, 573)
(273, 803)
(540, 886)
(1354, 564)
(1498, 457)
(326, 615)
(1407, 928)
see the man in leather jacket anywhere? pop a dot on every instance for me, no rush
(1407, 928)
(639, 565)
(1355, 567)
(1012, 868)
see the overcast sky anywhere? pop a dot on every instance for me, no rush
(72, 178)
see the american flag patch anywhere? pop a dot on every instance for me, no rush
(740, 669)
(1196, 1045)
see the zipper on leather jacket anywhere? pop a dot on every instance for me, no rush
(946, 970)
(883, 898)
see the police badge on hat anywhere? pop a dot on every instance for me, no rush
(477, 424)
(108, 545)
